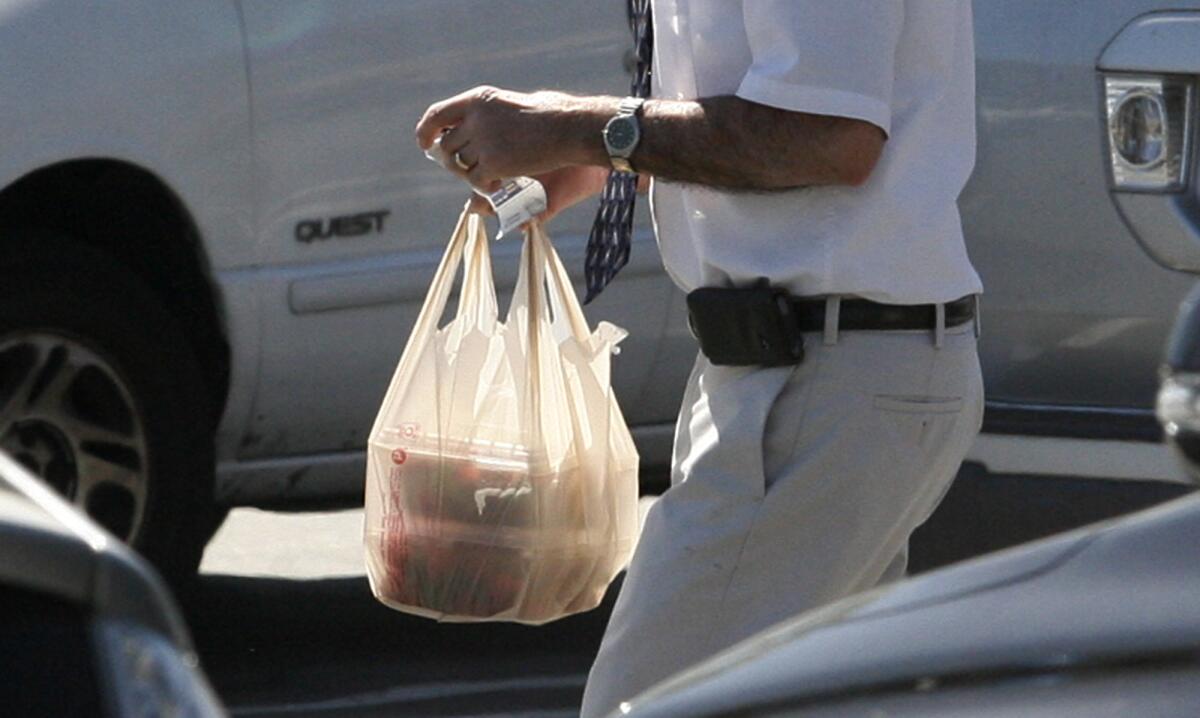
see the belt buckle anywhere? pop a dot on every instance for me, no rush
(786, 345)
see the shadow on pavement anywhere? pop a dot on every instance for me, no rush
(985, 512)
(267, 641)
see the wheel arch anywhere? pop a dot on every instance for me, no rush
(132, 215)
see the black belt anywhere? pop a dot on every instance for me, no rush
(865, 315)
(763, 325)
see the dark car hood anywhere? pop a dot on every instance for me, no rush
(1120, 589)
(49, 547)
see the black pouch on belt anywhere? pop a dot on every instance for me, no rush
(752, 326)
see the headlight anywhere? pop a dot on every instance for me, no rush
(1149, 131)
(1179, 413)
(1138, 128)
(1179, 404)
(145, 675)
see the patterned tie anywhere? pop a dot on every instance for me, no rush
(612, 230)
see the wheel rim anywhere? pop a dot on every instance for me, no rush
(68, 415)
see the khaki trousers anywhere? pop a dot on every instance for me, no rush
(791, 487)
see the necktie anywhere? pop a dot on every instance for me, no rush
(612, 230)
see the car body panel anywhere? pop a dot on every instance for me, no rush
(1107, 593)
(137, 638)
(31, 535)
(51, 548)
(1111, 692)
(1075, 312)
(161, 86)
(334, 105)
(1161, 42)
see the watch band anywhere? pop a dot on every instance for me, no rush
(629, 107)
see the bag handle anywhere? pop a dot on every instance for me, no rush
(564, 303)
(431, 311)
(540, 269)
(528, 298)
(478, 298)
(443, 280)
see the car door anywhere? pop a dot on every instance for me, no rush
(1075, 312)
(352, 219)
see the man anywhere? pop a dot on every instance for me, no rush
(820, 145)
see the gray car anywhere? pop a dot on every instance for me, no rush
(1099, 622)
(1059, 221)
(88, 628)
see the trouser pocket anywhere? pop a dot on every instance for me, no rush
(928, 431)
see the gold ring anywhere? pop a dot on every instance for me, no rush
(458, 160)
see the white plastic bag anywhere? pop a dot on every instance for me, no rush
(501, 478)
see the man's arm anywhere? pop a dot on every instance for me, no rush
(724, 142)
(731, 143)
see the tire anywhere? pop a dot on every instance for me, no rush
(102, 395)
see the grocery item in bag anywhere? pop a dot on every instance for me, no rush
(501, 478)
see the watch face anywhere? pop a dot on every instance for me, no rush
(620, 133)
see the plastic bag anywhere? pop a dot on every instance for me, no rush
(501, 477)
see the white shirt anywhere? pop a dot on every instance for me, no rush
(907, 66)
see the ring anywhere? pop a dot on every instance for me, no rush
(458, 160)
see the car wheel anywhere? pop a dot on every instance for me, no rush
(102, 396)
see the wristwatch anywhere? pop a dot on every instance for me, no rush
(623, 132)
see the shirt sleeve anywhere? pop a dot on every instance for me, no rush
(825, 57)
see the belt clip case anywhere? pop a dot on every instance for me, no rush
(751, 326)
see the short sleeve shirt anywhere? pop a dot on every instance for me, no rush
(906, 66)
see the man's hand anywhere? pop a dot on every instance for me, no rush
(499, 133)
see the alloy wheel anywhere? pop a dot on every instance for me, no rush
(68, 416)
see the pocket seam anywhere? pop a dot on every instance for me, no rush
(804, 421)
(919, 404)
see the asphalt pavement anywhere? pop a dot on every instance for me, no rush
(286, 626)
